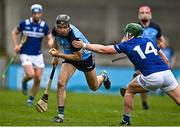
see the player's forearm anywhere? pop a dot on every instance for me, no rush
(50, 40)
(73, 57)
(96, 48)
(14, 34)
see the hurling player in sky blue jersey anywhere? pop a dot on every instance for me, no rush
(74, 58)
(30, 53)
(151, 31)
(148, 58)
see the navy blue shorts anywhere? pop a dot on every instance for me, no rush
(85, 65)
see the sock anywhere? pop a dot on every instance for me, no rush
(61, 110)
(126, 117)
(31, 98)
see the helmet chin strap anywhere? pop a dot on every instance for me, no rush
(127, 36)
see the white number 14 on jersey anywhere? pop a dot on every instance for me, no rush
(149, 49)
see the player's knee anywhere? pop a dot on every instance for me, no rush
(30, 76)
(129, 90)
(37, 79)
(61, 84)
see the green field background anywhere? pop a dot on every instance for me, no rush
(84, 109)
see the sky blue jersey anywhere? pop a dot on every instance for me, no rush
(35, 33)
(152, 32)
(143, 53)
(66, 42)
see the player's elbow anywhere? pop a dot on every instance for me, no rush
(14, 31)
(78, 57)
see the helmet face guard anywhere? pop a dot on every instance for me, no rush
(134, 29)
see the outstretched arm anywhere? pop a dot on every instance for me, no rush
(109, 49)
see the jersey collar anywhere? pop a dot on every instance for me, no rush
(31, 20)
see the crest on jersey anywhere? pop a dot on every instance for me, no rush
(40, 30)
(27, 28)
(34, 29)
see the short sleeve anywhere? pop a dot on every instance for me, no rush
(120, 47)
(46, 29)
(157, 27)
(159, 33)
(71, 38)
(21, 26)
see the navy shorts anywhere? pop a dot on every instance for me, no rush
(85, 65)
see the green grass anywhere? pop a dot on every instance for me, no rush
(86, 109)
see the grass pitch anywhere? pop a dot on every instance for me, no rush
(86, 110)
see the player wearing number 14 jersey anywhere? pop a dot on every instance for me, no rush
(143, 53)
(146, 57)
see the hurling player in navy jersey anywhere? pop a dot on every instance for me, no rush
(151, 31)
(74, 58)
(30, 54)
(148, 58)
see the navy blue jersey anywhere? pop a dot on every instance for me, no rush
(66, 42)
(143, 53)
(35, 33)
(153, 32)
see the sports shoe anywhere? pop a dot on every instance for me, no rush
(145, 106)
(29, 102)
(122, 91)
(24, 88)
(59, 118)
(124, 123)
(107, 81)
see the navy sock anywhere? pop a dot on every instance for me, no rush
(126, 118)
(61, 110)
(31, 98)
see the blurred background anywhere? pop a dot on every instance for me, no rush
(101, 21)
